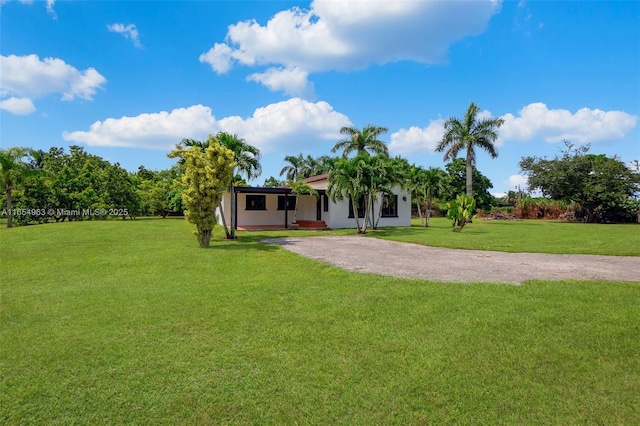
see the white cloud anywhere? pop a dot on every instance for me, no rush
(515, 181)
(128, 31)
(537, 121)
(18, 106)
(50, 10)
(160, 130)
(351, 35)
(279, 126)
(219, 57)
(291, 81)
(29, 77)
(416, 139)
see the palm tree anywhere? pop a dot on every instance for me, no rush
(37, 157)
(309, 167)
(432, 183)
(360, 141)
(467, 135)
(293, 169)
(298, 189)
(12, 171)
(247, 158)
(346, 180)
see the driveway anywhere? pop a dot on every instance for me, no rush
(363, 254)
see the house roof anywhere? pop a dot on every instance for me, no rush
(318, 178)
(262, 190)
(285, 189)
(315, 182)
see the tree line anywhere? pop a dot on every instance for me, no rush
(44, 186)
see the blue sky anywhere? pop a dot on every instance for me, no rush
(127, 80)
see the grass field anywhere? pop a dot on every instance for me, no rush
(131, 322)
(532, 236)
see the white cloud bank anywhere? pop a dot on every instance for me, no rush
(25, 78)
(128, 31)
(535, 121)
(279, 126)
(347, 35)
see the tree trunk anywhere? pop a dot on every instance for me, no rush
(420, 212)
(295, 211)
(379, 213)
(204, 237)
(224, 221)
(427, 212)
(233, 213)
(9, 212)
(469, 176)
(355, 213)
(366, 219)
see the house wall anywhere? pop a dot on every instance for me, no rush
(270, 216)
(338, 216)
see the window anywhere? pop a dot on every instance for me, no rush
(326, 202)
(361, 205)
(389, 205)
(290, 200)
(256, 202)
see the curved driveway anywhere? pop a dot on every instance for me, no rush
(362, 254)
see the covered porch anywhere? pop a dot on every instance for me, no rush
(259, 208)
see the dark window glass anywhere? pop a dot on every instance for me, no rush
(326, 202)
(291, 202)
(256, 202)
(389, 205)
(360, 207)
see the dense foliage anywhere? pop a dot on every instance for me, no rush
(455, 184)
(207, 174)
(56, 186)
(604, 187)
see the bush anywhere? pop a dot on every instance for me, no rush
(460, 211)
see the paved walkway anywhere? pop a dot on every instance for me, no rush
(364, 254)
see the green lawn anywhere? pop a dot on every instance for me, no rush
(131, 322)
(533, 236)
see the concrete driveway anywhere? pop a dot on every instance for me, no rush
(363, 254)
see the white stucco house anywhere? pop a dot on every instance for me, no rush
(274, 207)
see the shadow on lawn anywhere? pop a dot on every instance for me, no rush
(241, 245)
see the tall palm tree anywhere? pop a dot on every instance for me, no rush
(467, 135)
(247, 158)
(294, 168)
(12, 171)
(362, 141)
(345, 180)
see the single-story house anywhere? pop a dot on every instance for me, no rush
(274, 207)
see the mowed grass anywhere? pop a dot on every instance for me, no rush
(131, 322)
(531, 236)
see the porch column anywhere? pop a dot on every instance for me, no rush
(286, 212)
(235, 211)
